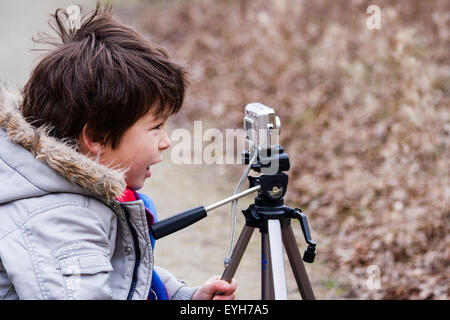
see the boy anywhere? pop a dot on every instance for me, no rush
(73, 154)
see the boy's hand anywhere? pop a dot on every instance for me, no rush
(214, 285)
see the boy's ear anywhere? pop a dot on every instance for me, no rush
(87, 145)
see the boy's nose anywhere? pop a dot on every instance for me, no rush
(165, 142)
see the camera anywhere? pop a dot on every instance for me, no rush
(262, 126)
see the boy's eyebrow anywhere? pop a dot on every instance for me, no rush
(161, 118)
(156, 119)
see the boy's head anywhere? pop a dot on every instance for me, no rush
(100, 86)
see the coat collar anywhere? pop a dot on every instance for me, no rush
(100, 181)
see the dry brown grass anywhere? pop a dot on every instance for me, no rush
(365, 114)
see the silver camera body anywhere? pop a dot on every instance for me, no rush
(262, 126)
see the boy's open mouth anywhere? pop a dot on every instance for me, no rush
(148, 173)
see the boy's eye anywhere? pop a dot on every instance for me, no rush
(159, 126)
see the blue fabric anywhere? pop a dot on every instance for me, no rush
(157, 287)
(150, 206)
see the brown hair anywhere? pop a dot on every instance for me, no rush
(103, 74)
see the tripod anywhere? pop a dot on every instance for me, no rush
(272, 218)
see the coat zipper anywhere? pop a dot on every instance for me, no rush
(138, 254)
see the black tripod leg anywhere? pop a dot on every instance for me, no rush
(298, 268)
(267, 290)
(237, 254)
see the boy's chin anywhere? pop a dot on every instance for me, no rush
(138, 182)
(135, 186)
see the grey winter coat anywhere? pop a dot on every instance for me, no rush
(62, 233)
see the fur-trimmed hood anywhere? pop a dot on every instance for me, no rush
(32, 163)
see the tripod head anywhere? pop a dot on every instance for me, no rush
(272, 159)
(269, 203)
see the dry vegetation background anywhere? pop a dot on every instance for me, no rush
(365, 115)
